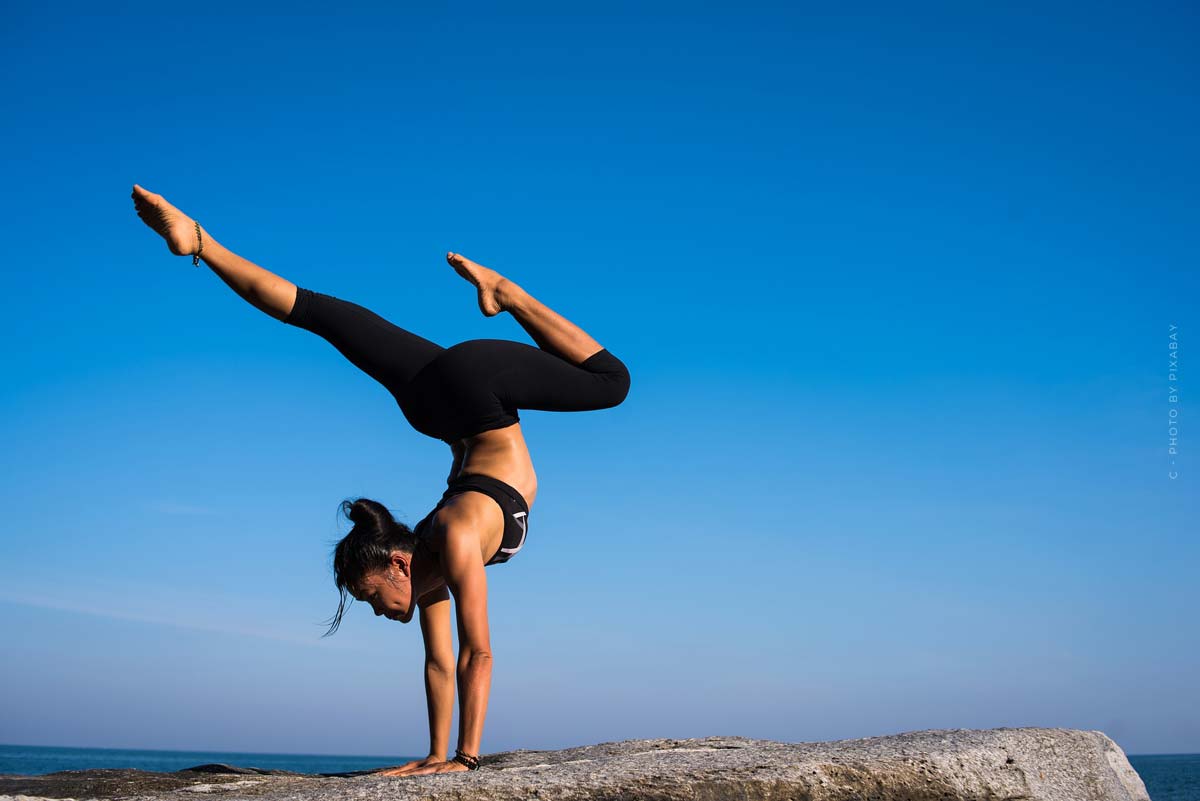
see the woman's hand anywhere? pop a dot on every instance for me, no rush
(408, 768)
(436, 767)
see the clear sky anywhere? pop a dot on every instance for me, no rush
(895, 287)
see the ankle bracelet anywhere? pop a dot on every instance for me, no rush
(196, 257)
(472, 762)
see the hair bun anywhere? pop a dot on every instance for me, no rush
(359, 511)
(364, 511)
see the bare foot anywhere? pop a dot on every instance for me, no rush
(167, 221)
(494, 289)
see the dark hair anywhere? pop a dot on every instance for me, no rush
(367, 548)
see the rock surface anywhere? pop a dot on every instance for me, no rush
(1026, 764)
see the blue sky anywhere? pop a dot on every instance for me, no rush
(895, 288)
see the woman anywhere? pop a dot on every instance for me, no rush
(468, 396)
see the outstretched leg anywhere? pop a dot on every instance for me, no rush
(549, 329)
(381, 349)
(261, 288)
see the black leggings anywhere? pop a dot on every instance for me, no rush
(474, 386)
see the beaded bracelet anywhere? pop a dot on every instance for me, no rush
(196, 257)
(472, 762)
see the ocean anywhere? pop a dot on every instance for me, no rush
(30, 760)
(1168, 777)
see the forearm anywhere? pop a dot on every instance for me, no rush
(439, 692)
(474, 685)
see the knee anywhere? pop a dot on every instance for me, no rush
(618, 383)
(611, 375)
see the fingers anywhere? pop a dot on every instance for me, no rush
(416, 769)
(399, 770)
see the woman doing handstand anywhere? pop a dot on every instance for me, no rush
(468, 396)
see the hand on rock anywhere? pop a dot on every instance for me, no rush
(440, 767)
(407, 768)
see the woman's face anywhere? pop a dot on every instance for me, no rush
(389, 591)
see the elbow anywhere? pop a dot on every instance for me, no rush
(474, 666)
(474, 658)
(440, 668)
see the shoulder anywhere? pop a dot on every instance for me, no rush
(461, 535)
(461, 529)
(469, 513)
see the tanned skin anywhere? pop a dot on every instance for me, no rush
(465, 533)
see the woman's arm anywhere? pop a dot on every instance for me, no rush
(439, 668)
(462, 565)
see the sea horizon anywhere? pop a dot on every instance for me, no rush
(32, 760)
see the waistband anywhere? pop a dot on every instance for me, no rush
(487, 485)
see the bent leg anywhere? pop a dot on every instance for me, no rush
(571, 372)
(579, 374)
(538, 379)
(550, 330)
(486, 377)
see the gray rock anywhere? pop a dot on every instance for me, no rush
(1026, 764)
